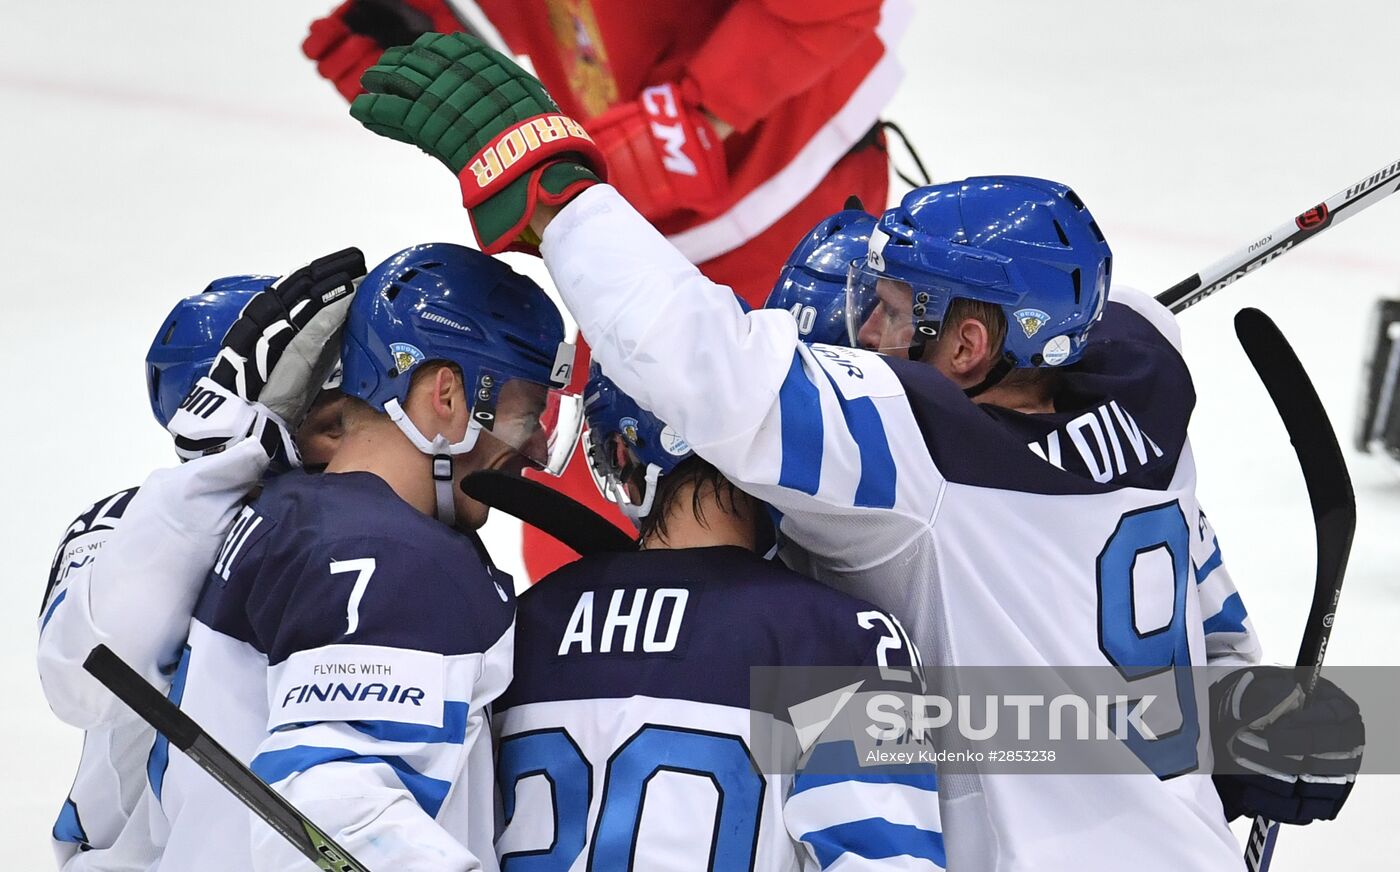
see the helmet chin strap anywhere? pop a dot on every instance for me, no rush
(441, 451)
(927, 331)
(635, 514)
(998, 372)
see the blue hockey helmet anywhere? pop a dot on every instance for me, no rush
(189, 338)
(1027, 245)
(444, 302)
(616, 421)
(812, 284)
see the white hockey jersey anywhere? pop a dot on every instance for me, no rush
(126, 575)
(633, 738)
(981, 528)
(346, 647)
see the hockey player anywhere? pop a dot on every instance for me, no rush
(636, 668)
(732, 125)
(353, 630)
(1012, 458)
(812, 284)
(130, 566)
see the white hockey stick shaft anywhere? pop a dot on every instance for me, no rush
(1334, 210)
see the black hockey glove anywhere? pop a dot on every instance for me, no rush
(1281, 756)
(272, 362)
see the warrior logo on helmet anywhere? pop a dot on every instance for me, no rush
(628, 426)
(1031, 320)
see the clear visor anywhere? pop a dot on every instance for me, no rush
(879, 310)
(541, 423)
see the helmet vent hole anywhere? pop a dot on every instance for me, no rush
(169, 331)
(430, 265)
(1074, 277)
(391, 292)
(1098, 234)
(409, 274)
(527, 349)
(1074, 199)
(1060, 232)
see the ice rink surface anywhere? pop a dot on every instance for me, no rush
(148, 147)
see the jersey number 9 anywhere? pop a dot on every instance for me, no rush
(1123, 565)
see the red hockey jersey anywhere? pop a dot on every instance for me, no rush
(800, 80)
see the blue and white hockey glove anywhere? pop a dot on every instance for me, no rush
(272, 363)
(1278, 755)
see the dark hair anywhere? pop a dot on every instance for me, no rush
(707, 480)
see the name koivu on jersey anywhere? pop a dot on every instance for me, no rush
(1107, 440)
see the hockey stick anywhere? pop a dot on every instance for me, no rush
(1334, 210)
(188, 736)
(1333, 509)
(549, 511)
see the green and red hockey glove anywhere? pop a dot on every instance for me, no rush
(490, 122)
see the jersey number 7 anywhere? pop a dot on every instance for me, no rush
(364, 569)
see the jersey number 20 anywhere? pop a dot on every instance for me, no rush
(1138, 654)
(721, 759)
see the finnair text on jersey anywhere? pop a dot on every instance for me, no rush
(354, 693)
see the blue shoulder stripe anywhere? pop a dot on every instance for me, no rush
(1212, 563)
(69, 827)
(1230, 618)
(63, 594)
(837, 763)
(453, 730)
(875, 839)
(877, 470)
(274, 766)
(800, 405)
(159, 758)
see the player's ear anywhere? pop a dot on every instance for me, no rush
(971, 343)
(446, 392)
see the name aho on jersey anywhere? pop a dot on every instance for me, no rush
(651, 618)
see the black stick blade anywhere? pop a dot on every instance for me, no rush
(549, 511)
(1324, 471)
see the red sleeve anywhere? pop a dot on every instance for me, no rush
(766, 51)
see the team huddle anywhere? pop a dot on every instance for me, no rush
(949, 439)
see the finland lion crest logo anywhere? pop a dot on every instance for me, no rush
(405, 356)
(1031, 320)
